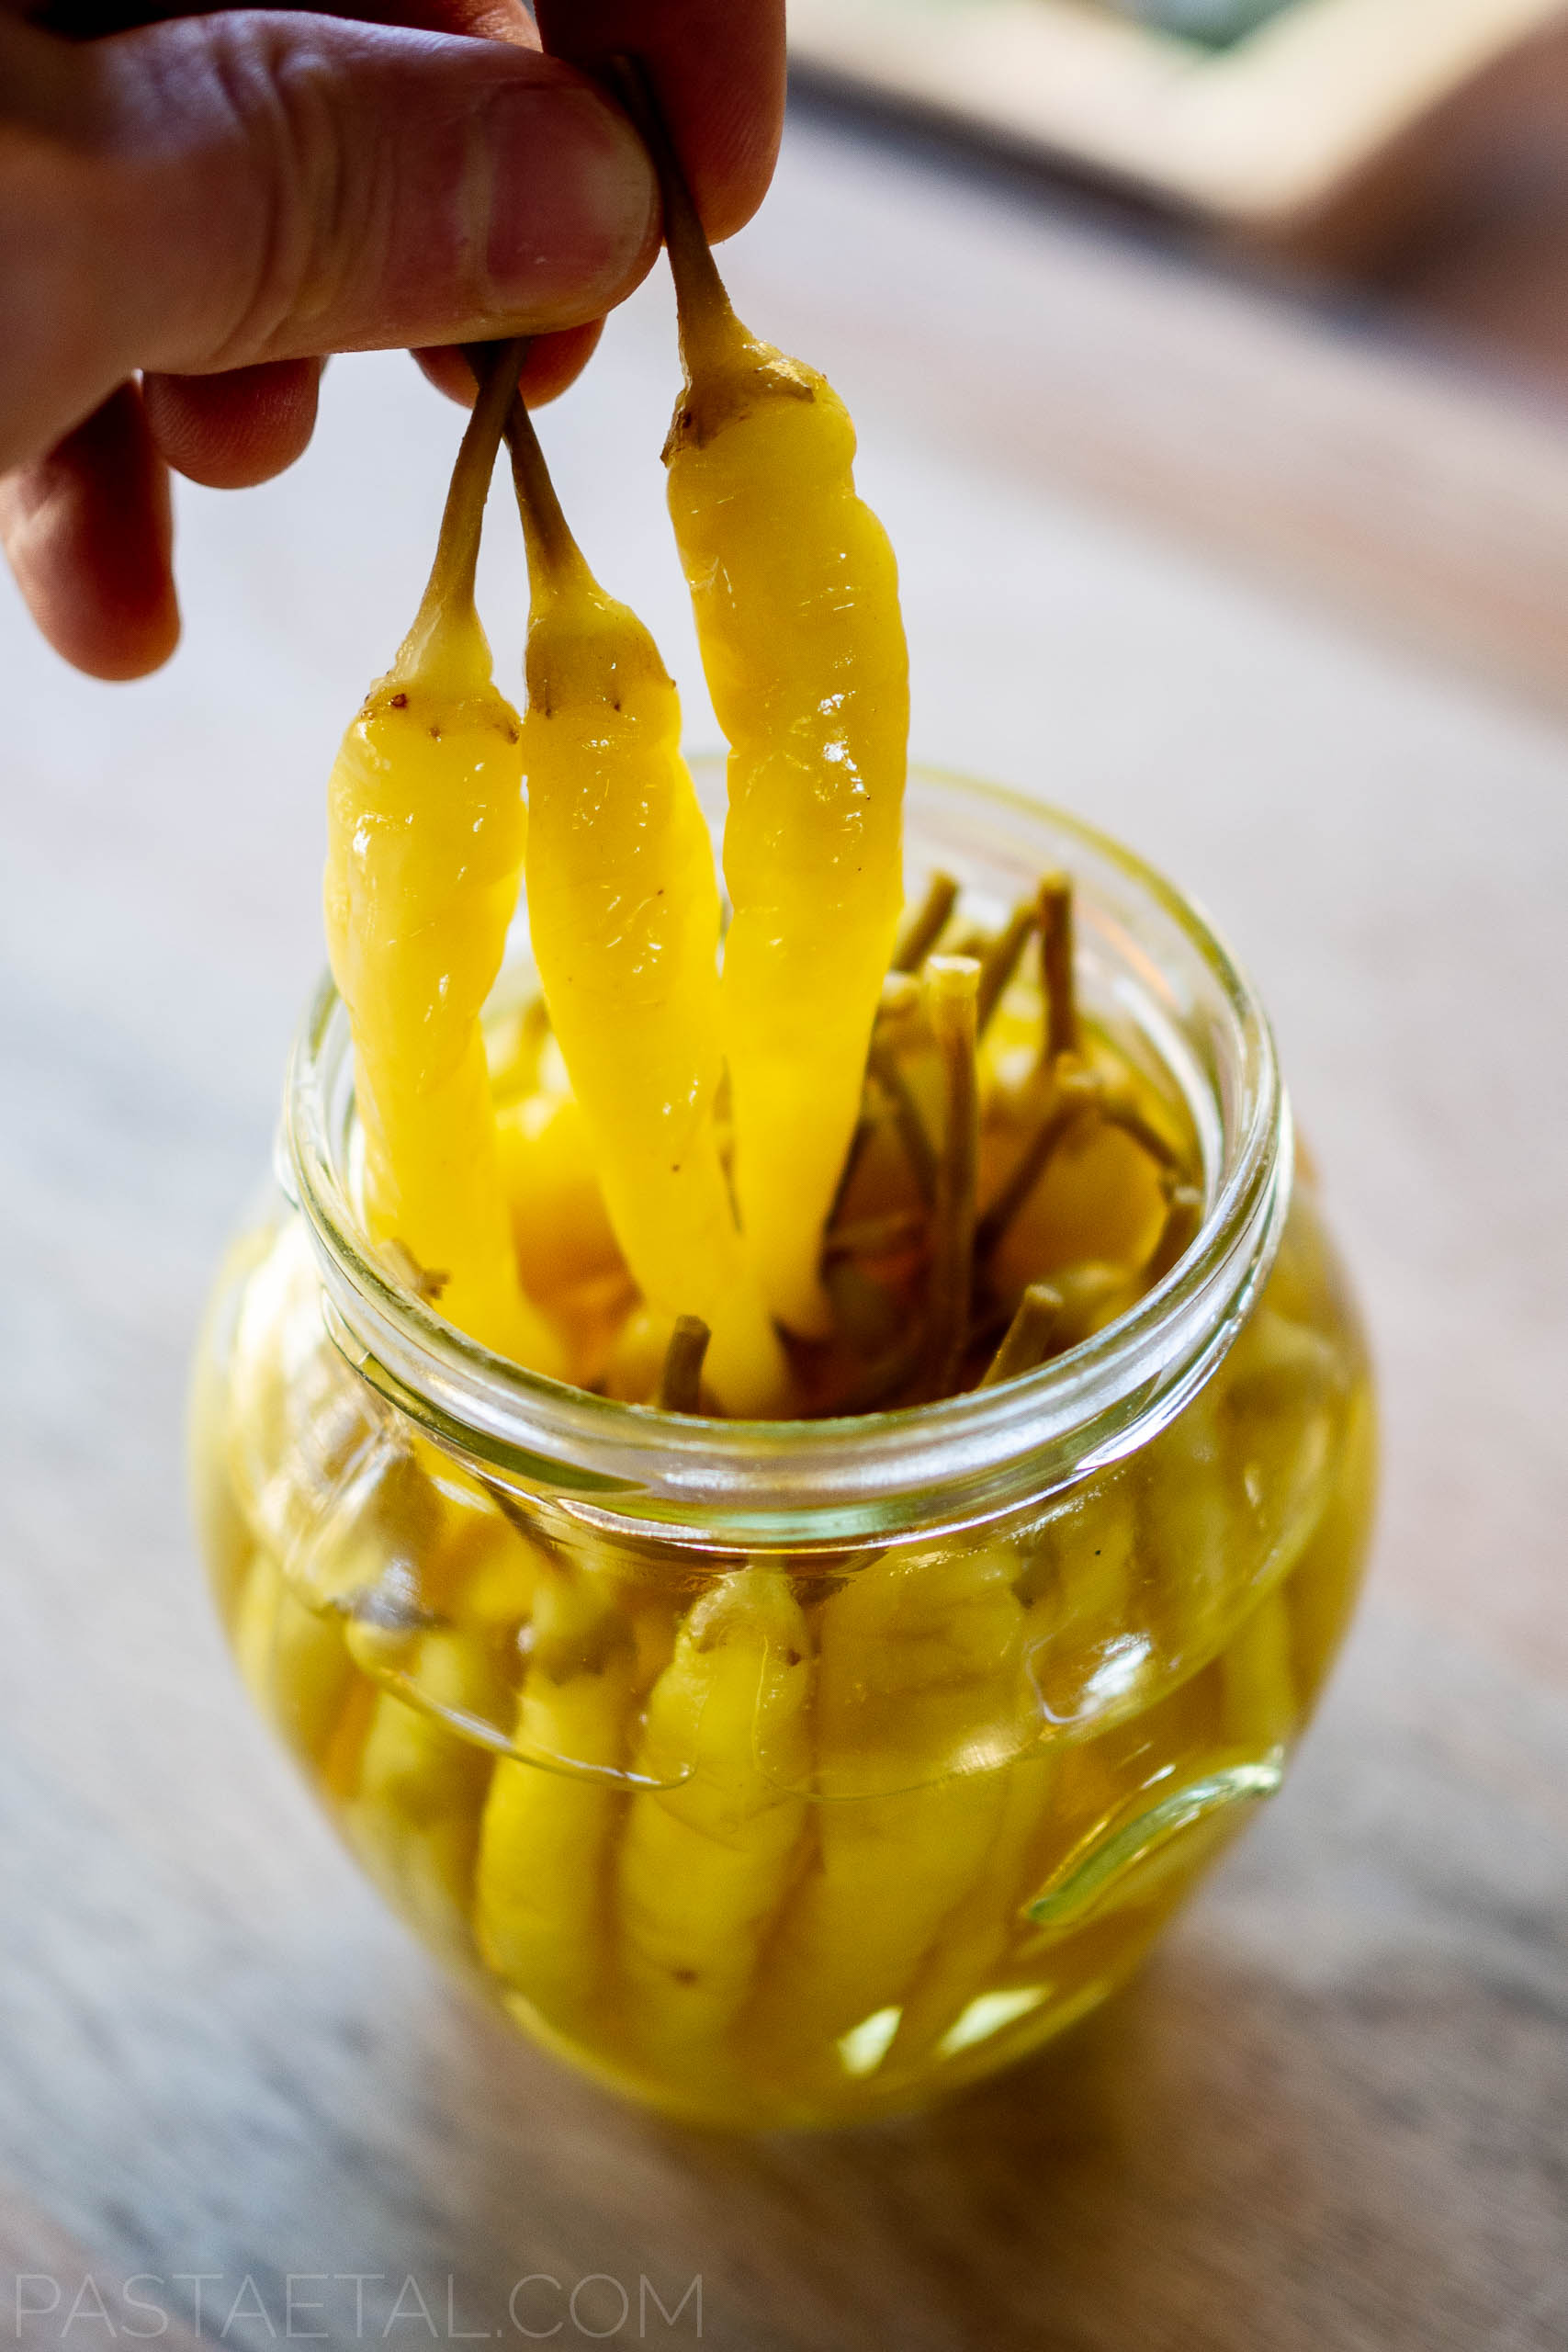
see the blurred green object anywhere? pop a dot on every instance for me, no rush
(1215, 22)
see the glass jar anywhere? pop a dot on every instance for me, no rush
(789, 1773)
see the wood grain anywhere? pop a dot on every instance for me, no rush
(1332, 2117)
(51, 2288)
(1268, 420)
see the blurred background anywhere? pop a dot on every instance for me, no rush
(1211, 369)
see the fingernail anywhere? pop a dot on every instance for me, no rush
(573, 204)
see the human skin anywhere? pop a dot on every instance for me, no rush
(195, 212)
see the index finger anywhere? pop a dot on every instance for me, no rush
(718, 69)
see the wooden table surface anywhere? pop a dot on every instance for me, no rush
(1284, 602)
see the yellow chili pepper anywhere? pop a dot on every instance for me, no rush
(294, 1663)
(559, 1228)
(426, 842)
(541, 1895)
(708, 1855)
(623, 911)
(1322, 1588)
(984, 1923)
(922, 1700)
(1260, 1705)
(413, 1816)
(795, 590)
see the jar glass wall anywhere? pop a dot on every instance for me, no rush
(791, 1772)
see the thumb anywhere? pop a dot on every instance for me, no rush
(211, 192)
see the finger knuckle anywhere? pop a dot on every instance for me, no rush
(314, 213)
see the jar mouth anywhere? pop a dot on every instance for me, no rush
(1152, 967)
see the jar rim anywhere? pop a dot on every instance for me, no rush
(915, 1470)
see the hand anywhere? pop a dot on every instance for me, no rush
(193, 212)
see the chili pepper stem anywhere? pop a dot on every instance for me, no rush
(1055, 917)
(1027, 1336)
(926, 925)
(865, 1129)
(907, 1123)
(951, 982)
(1078, 1094)
(1143, 1133)
(894, 1230)
(679, 1382)
(900, 1001)
(708, 321)
(1183, 1216)
(448, 597)
(1001, 960)
(554, 556)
